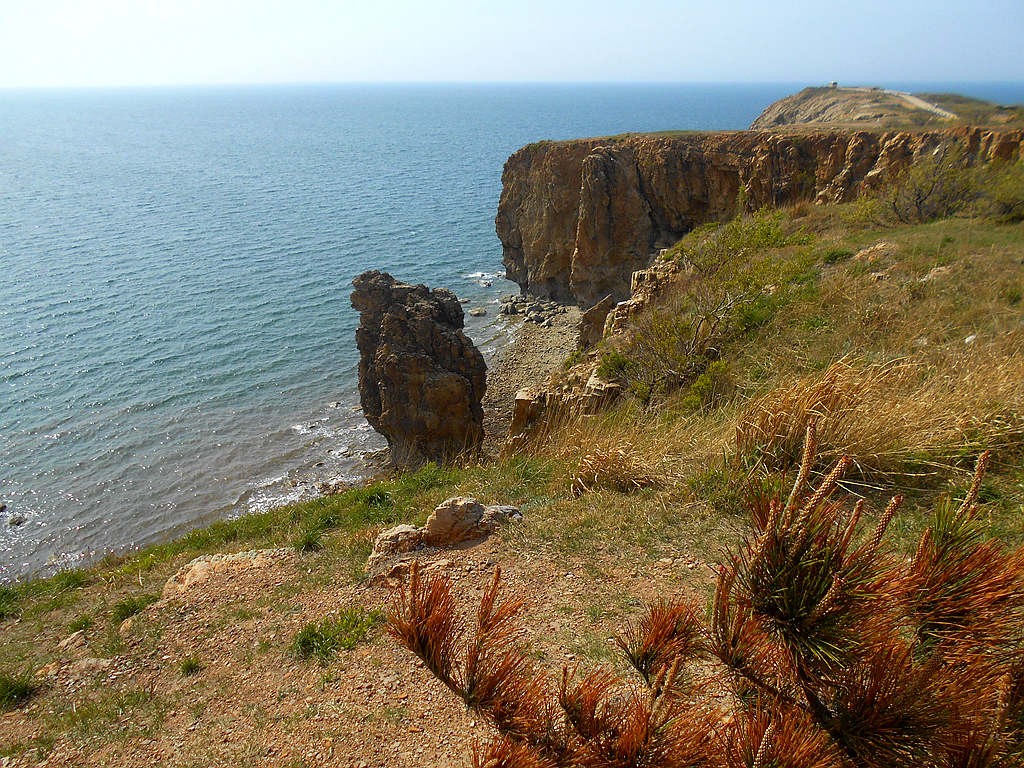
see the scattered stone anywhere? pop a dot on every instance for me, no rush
(936, 272)
(203, 568)
(477, 312)
(421, 379)
(126, 627)
(873, 253)
(509, 309)
(73, 641)
(452, 522)
(971, 339)
(16, 520)
(89, 667)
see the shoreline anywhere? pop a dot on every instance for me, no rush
(529, 355)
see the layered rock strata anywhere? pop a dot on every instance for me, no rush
(421, 379)
(577, 218)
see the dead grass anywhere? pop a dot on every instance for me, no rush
(891, 417)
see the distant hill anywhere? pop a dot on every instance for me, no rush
(866, 107)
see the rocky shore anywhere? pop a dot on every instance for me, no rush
(546, 336)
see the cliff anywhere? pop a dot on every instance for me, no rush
(577, 218)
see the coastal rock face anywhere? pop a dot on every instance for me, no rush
(421, 379)
(577, 218)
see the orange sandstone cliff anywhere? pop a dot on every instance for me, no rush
(577, 218)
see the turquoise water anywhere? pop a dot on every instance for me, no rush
(175, 331)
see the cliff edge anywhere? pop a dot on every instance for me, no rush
(577, 218)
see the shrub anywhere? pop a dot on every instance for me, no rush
(733, 284)
(333, 633)
(821, 648)
(1003, 192)
(131, 605)
(15, 689)
(934, 186)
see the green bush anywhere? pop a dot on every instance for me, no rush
(934, 186)
(342, 632)
(1003, 195)
(8, 602)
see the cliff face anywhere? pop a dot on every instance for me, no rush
(576, 218)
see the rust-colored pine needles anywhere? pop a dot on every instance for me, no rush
(822, 649)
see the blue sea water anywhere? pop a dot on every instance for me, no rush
(176, 340)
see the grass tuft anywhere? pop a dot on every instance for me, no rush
(82, 622)
(310, 540)
(321, 640)
(190, 666)
(15, 689)
(131, 605)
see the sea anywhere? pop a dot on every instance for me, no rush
(176, 340)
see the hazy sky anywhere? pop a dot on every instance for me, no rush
(129, 42)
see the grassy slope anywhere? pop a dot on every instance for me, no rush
(915, 301)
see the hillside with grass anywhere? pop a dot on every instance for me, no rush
(874, 108)
(886, 333)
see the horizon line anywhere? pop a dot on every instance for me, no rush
(312, 83)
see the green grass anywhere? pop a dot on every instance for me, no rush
(321, 640)
(310, 540)
(81, 622)
(15, 689)
(131, 605)
(189, 666)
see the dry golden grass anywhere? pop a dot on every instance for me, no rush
(889, 415)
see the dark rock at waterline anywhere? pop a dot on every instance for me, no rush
(421, 379)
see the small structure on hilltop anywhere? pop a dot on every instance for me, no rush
(421, 379)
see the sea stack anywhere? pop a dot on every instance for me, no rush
(421, 379)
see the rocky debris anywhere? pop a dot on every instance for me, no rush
(534, 408)
(206, 567)
(454, 521)
(592, 322)
(577, 218)
(534, 309)
(646, 288)
(421, 379)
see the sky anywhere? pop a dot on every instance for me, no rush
(169, 42)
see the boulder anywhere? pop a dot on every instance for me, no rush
(453, 521)
(477, 312)
(421, 379)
